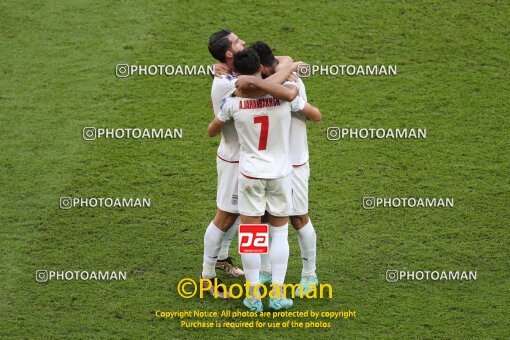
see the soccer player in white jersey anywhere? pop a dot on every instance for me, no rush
(263, 126)
(222, 46)
(300, 174)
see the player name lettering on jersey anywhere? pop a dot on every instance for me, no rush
(258, 103)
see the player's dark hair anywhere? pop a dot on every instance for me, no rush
(247, 62)
(219, 44)
(265, 53)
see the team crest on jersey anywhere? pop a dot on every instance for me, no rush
(234, 199)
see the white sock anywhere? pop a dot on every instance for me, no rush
(308, 243)
(227, 239)
(212, 244)
(251, 267)
(279, 252)
(265, 263)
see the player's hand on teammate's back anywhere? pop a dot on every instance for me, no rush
(296, 64)
(220, 70)
(293, 77)
(293, 67)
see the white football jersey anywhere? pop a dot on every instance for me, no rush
(298, 138)
(228, 149)
(263, 127)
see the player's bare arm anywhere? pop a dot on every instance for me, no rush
(287, 93)
(283, 72)
(221, 69)
(284, 59)
(215, 127)
(311, 112)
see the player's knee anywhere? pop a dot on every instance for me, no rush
(299, 222)
(224, 220)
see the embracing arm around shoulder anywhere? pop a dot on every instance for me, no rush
(283, 92)
(287, 93)
(284, 59)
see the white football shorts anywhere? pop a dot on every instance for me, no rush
(300, 176)
(258, 195)
(226, 195)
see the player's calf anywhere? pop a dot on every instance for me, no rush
(307, 240)
(299, 221)
(224, 220)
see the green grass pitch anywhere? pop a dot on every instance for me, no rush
(57, 76)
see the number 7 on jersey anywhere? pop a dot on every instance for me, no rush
(264, 128)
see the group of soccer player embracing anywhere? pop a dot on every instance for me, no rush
(261, 109)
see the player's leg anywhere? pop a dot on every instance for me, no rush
(226, 218)
(251, 206)
(301, 222)
(278, 248)
(279, 205)
(227, 240)
(225, 262)
(213, 239)
(212, 243)
(308, 244)
(221, 223)
(265, 263)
